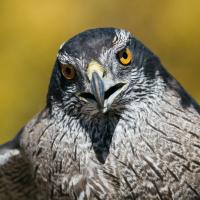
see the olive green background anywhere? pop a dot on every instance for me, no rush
(32, 31)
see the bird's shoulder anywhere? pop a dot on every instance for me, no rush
(16, 181)
(33, 129)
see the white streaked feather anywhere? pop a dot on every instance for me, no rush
(7, 154)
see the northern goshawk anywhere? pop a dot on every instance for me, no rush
(116, 125)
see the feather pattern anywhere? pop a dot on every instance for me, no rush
(146, 146)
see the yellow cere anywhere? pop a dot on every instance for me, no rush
(94, 66)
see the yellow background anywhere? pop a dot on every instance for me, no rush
(32, 31)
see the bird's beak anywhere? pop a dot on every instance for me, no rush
(102, 90)
(97, 88)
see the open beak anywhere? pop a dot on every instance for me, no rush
(103, 91)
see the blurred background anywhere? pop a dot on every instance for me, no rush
(32, 31)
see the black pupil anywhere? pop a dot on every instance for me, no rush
(68, 71)
(124, 55)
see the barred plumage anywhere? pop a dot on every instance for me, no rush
(144, 143)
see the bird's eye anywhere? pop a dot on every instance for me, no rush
(68, 71)
(125, 56)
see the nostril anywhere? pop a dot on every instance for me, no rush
(113, 89)
(104, 72)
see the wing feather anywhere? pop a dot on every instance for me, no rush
(16, 180)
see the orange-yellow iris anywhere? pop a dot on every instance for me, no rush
(125, 56)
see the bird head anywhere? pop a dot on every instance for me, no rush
(102, 70)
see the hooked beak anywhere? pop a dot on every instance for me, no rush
(103, 91)
(97, 88)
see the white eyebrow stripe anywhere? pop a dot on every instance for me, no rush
(66, 58)
(121, 38)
